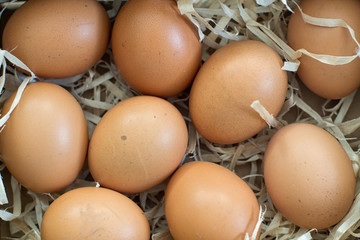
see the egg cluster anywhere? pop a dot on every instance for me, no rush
(142, 141)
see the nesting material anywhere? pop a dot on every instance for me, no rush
(219, 22)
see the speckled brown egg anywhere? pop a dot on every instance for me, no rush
(325, 80)
(58, 38)
(204, 200)
(308, 176)
(228, 83)
(92, 213)
(156, 49)
(44, 142)
(137, 144)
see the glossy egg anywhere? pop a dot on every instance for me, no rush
(92, 213)
(228, 83)
(58, 38)
(308, 176)
(44, 142)
(137, 144)
(156, 49)
(204, 200)
(325, 80)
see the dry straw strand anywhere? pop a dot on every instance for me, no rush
(4, 214)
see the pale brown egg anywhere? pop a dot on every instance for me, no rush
(156, 49)
(58, 38)
(228, 83)
(92, 213)
(308, 176)
(204, 200)
(327, 81)
(44, 142)
(137, 144)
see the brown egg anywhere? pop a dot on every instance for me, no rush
(228, 83)
(206, 201)
(92, 213)
(137, 144)
(58, 38)
(44, 142)
(156, 49)
(327, 81)
(308, 176)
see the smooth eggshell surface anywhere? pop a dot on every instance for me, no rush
(92, 213)
(44, 142)
(137, 144)
(206, 201)
(58, 38)
(156, 49)
(228, 83)
(325, 80)
(308, 176)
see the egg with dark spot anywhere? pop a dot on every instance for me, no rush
(137, 144)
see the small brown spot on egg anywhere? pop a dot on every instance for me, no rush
(123, 137)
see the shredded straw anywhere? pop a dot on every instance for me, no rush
(218, 22)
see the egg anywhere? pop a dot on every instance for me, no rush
(204, 200)
(58, 38)
(308, 176)
(327, 81)
(94, 213)
(137, 144)
(228, 83)
(44, 142)
(156, 49)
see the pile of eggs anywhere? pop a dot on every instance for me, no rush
(141, 142)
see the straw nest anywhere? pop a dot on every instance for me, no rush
(219, 22)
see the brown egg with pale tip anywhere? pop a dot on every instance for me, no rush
(156, 49)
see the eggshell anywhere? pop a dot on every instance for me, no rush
(137, 144)
(58, 38)
(204, 200)
(44, 142)
(228, 83)
(308, 176)
(156, 49)
(325, 80)
(94, 213)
